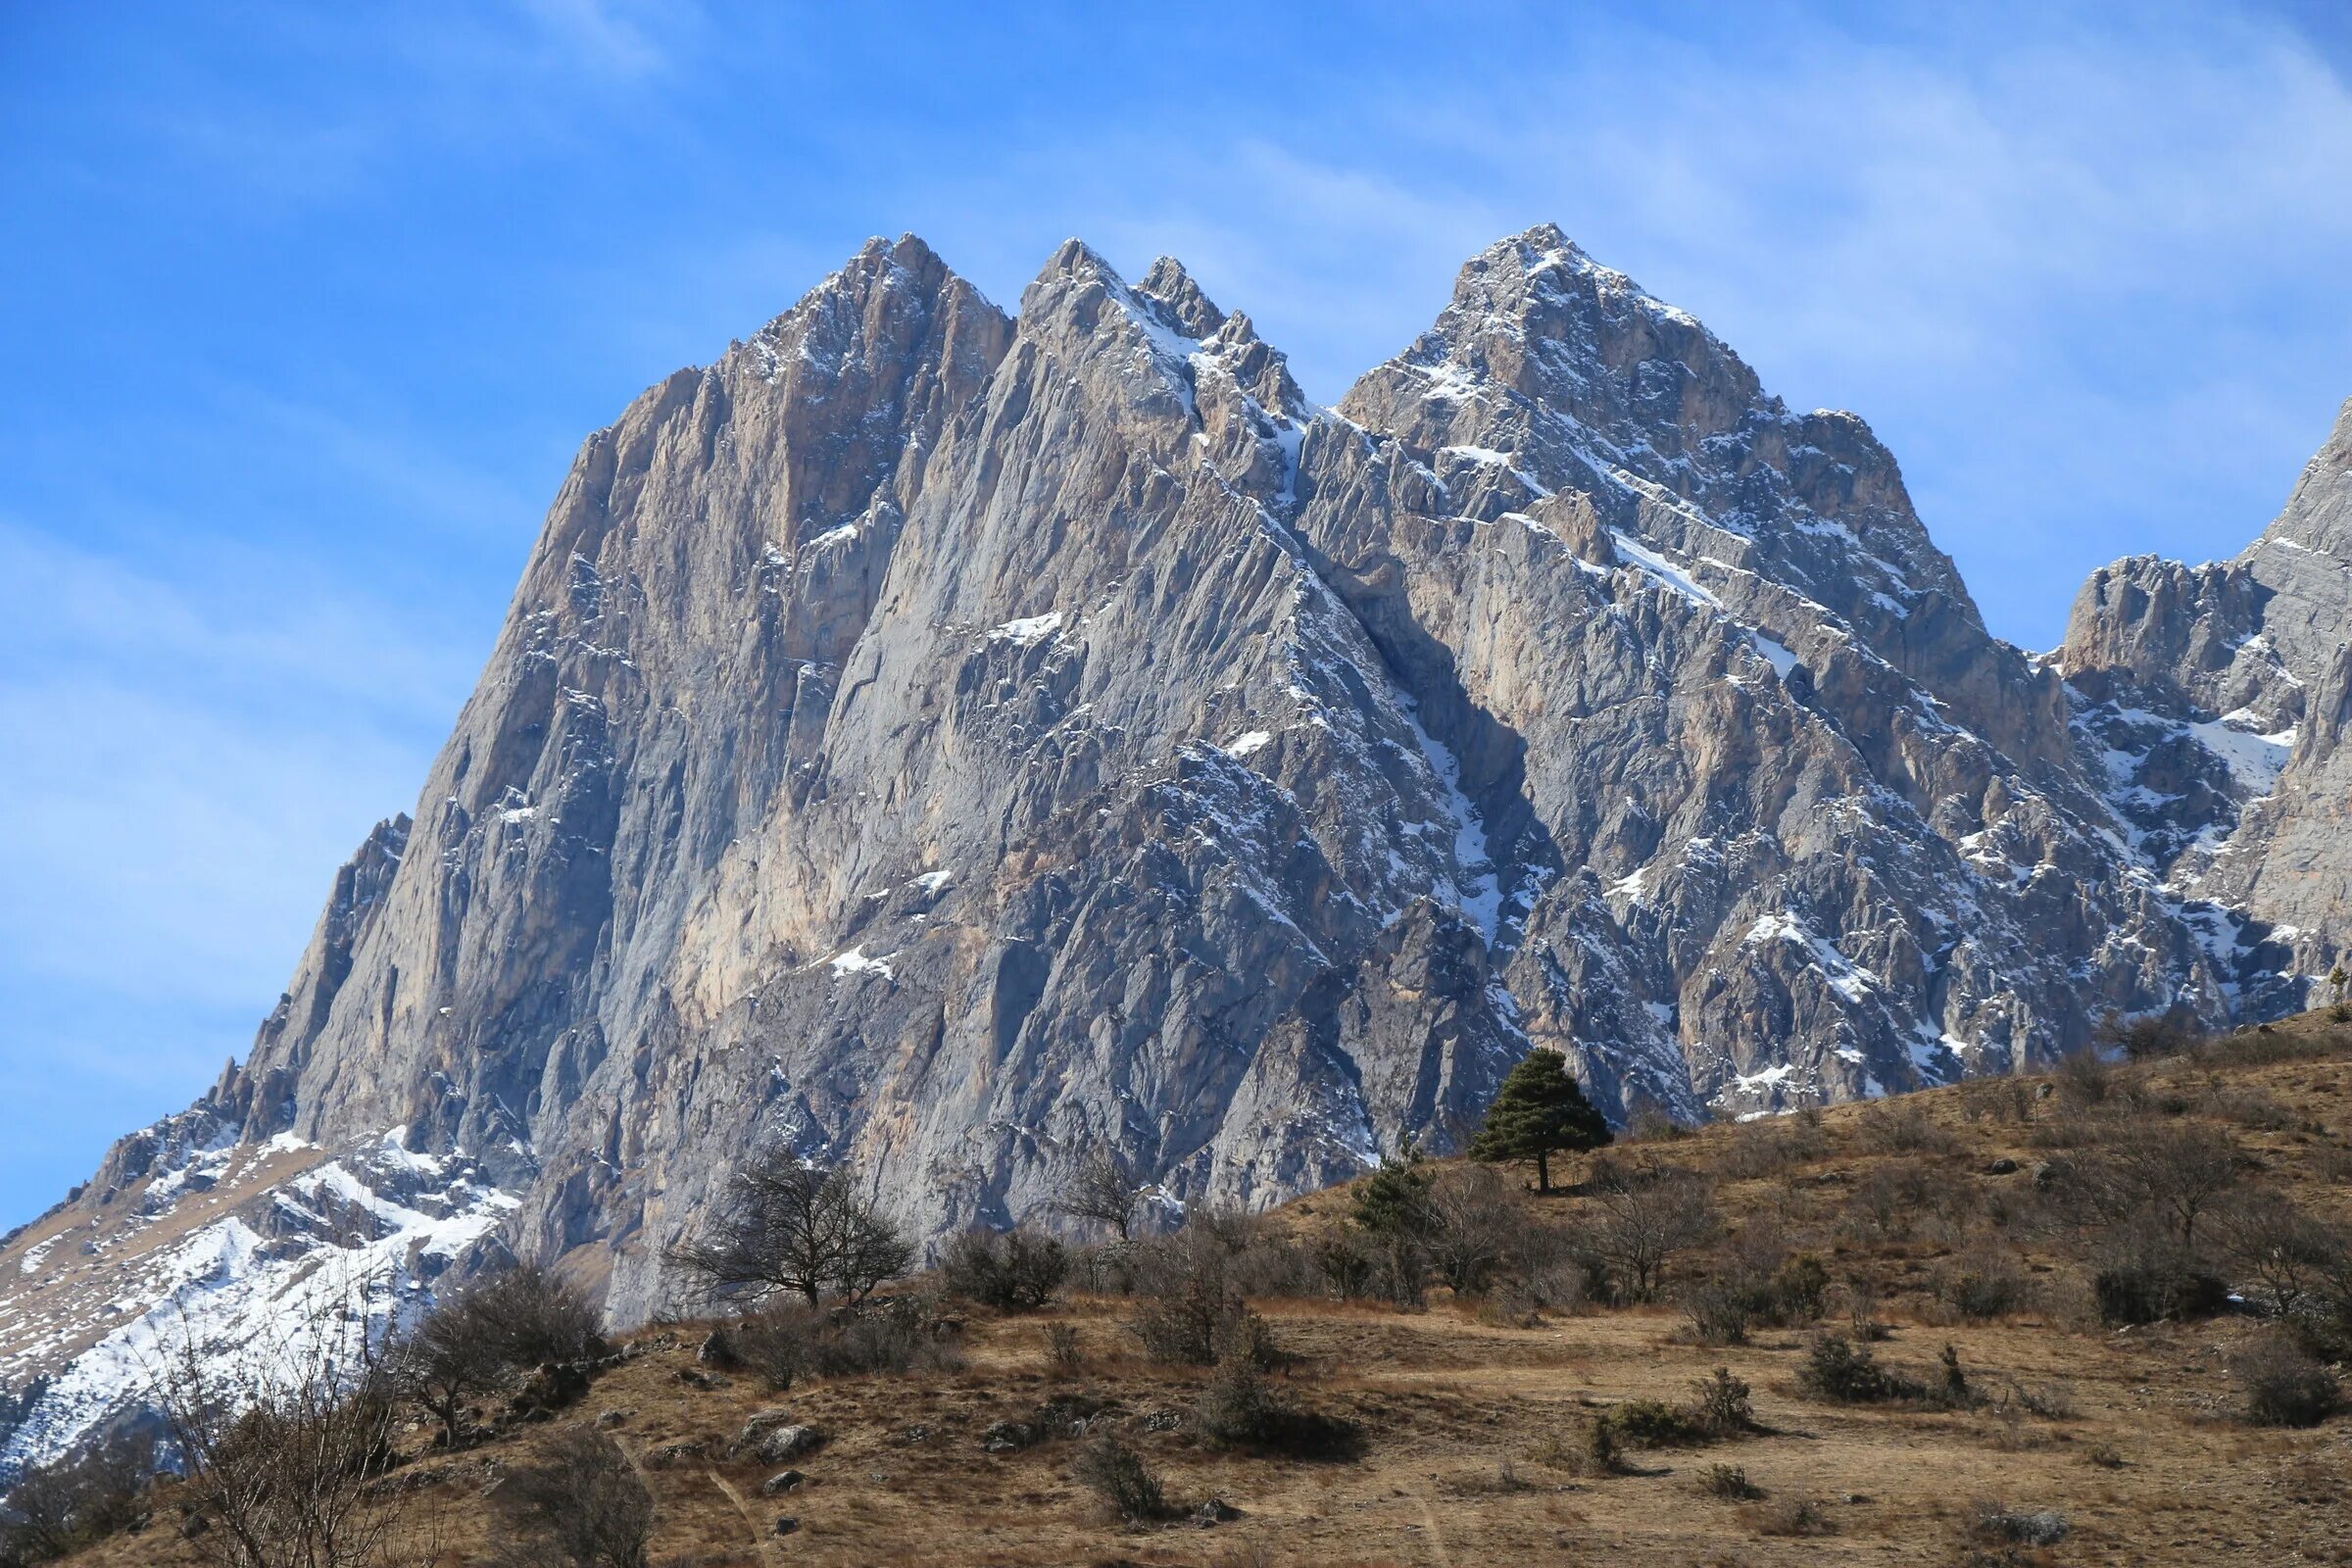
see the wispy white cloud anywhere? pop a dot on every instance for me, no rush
(2084, 273)
(191, 758)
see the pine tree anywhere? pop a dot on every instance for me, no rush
(1395, 1203)
(1540, 1112)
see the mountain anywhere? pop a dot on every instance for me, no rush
(955, 740)
(2216, 699)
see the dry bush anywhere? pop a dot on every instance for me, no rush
(1063, 1356)
(2148, 1036)
(485, 1336)
(277, 1449)
(2051, 1402)
(1983, 1286)
(1012, 1271)
(1792, 1517)
(1730, 1483)
(1723, 1405)
(2143, 1274)
(1995, 1535)
(1902, 1127)
(2285, 1260)
(1473, 1228)
(53, 1510)
(1759, 1150)
(1099, 1189)
(1843, 1372)
(1755, 1280)
(2083, 1081)
(2250, 1109)
(1651, 1125)
(1118, 1474)
(575, 1503)
(1720, 1408)
(1241, 1409)
(1187, 1308)
(2284, 1386)
(1645, 1212)
(788, 1344)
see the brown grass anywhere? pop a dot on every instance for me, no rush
(1474, 1431)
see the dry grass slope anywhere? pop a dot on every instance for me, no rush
(1941, 1216)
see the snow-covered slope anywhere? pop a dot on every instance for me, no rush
(227, 1247)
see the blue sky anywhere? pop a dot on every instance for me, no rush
(306, 308)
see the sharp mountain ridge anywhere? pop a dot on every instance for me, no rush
(955, 740)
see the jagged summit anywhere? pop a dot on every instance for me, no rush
(957, 741)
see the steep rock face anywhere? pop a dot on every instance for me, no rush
(1815, 834)
(2213, 698)
(952, 740)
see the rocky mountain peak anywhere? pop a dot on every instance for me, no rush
(957, 741)
(1193, 313)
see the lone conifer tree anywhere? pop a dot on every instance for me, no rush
(1540, 1112)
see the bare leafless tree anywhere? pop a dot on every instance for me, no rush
(1645, 1211)
(2175, 1171)
(1100, 1191)
(1474, 1226)
(278, 1443)
(2281, 1254)
(55, 1509)
(789, 1226)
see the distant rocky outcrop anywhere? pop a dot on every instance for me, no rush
(957, 740)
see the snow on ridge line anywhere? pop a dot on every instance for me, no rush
(1662, 569)
(248, 1304)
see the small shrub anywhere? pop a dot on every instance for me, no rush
(1651, 1125)
(1063, 1352)
(1182, 1322)
(1012, 1271)
(1240, 1409)
(2084, 1080)
(56, 1509)
(2157, 1288)
(2285, 1387)
(1982, 1288)
(1800, 1288)
(785, 1345)
(1720, 1312)
(1992, 1523)
(1118, 1474)
(1903, 1127)
(1730, 1483)
(1860, 1308)
(2250, 1109)
(1508, 1307)
(2052, 1402)
(1792, 1517)
(1841, 1371)
(1723, 1405)
(1951, 1389)
(577, 1500)
(1655, 1423)
(1602, 1452)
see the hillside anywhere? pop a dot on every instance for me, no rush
(1475, 1415)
